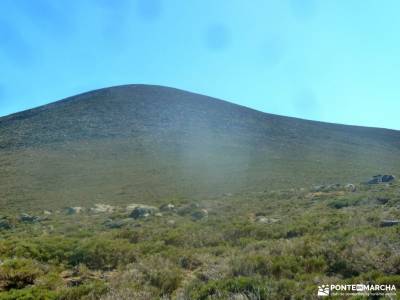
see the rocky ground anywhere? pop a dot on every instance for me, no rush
(268, 245)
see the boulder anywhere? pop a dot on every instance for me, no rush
(142, 211)
(199, 214)
(381, 179)
(116, 223)
(171, 222)
(266, 220)
(74, 210)
(188, 209)
(102, 208)
(167, 207)
(327, 187)
(5, 224)
(26, 218)
(350, 187)
(241, 297)
(389, 223)
(383, 200)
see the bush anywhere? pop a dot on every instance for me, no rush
(29, 294)
(19, 273)
(341, 203)
(87, 291)
(250, 265)
(103, 254)
(222, 289)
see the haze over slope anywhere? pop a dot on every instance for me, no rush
(140, 143)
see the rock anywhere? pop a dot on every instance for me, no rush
(388, 178)
(350, 187)
(47, 212)
(116, 223)
(74, 210)
(76, 277)
(143, 211)
(171, 222)
(240, 297)
(318, 188)
(389, 223)
(5, 224)
(187, 209)
(382, 200)
(102, 208)
(327, 187)
(199, 214)
(266, 220)
(381, 179)
(167, 207)
(26, 218)
(158, 214)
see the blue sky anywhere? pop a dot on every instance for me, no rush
(335, 61)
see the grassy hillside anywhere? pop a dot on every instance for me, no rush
(150, 143)
(252, 246)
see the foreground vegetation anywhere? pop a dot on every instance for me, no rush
(271, 245)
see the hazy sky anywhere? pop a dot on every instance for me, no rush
(336, 61)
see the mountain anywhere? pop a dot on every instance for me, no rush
(138, 143)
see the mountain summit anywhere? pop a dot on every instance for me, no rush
(147, 142)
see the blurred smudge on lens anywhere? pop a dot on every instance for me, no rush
(149, 9)
(53, 19)
(305, 103)
(217, 37)
(272, 52)
(13, 45)
(303, 9)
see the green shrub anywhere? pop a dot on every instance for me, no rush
(250, 265)
(87, 291)
(344, 202)
(222, 289)
(166, 280)
(103, 254)
(29, 294)
(19, 273)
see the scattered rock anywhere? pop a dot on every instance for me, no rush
(350, 187)
(74, 210)
(389, 223)
(167, 207)
(5, 224)
(102, 208)
(76, 278)
(116, 223)
(382, 200)
(71, 278)
(266, 220)
(142, 211)
(171, 222)
(26, 218)
(327, 187)
(317, 188)
(381, 179)
(239, 297)
(199, 214)
(187, 209)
